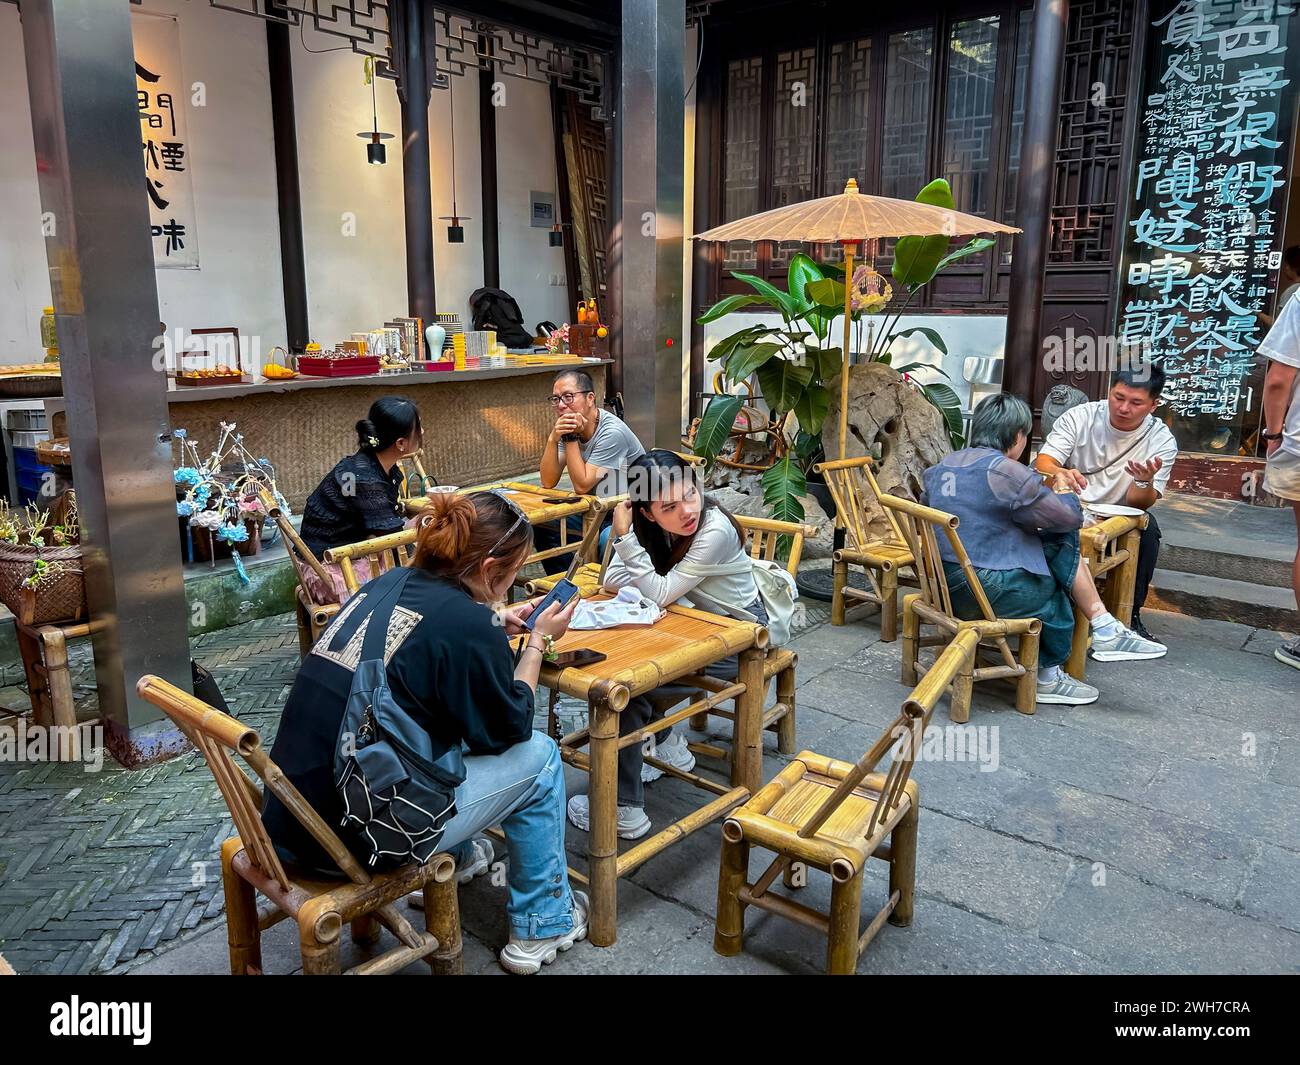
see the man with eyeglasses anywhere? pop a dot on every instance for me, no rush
(594, 445)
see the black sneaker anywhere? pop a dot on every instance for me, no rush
(1289, 653)
(1141, 629)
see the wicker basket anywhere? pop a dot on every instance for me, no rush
(61, 597)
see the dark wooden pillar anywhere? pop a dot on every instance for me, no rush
(487, 139)
(279, 65)
(417, 193)
(1034, 200)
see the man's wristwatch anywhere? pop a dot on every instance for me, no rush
(571, 438)
(1264, 434)
(1141, 484)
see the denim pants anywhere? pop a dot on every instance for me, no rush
(522, 790)
(640, 711)
(1017, 593)
(548, 535)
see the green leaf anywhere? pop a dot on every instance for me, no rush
(826, 362)
(978, 244)
(724, 347)
(811, 408)
(728, 304)
(780, 299)
(716, 425)
(949, 405)
(931, 335)
(782, 382)
(827, 294)
(922, 366)
(746, 360)
(916, 259)
(802, 270)
(783, 484)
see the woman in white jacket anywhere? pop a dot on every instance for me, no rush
(668, 537)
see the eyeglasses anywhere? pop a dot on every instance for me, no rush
(521, 518)
(568, 397)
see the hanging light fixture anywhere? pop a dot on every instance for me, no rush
(455, 231)
(376, 153)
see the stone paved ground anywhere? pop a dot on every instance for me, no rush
(1157, 831)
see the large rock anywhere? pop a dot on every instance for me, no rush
(891, 417)
(742, 493)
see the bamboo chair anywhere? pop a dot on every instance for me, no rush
(250, 864)
(384, 552)
(833, 816)
(881, 560)
(416, 468)
(932, 606)
(312, 617)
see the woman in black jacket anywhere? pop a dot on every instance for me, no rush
(451, 668)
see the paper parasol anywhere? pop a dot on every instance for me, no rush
(847, 219)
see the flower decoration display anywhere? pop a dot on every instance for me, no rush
(218, 493)
(559, 339)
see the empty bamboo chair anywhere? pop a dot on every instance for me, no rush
(851, 483)
(932, 606)
(384, 553)
(413, 469)
(250, 864)
(824, 814)
(311, 613)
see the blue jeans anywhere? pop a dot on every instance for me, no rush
(522, 790)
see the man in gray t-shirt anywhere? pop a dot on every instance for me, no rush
(594, 445)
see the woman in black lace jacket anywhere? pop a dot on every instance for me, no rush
(357, 499)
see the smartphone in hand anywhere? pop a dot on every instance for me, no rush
(563, 593)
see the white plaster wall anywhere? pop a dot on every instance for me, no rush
(353, 282)
(233, 171)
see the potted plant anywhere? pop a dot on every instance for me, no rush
(41, 576)
(794, 362)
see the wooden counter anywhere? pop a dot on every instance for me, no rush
(479, 425)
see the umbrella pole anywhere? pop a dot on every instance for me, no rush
(844, 372)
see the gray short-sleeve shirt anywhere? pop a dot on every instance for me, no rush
(612, 446)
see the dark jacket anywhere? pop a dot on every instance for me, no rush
(449, 666)
(355, 501)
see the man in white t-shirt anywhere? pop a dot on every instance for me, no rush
(1281, 433)
(1116, 451)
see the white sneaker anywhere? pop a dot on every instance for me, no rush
(1125, 645)
(524, 957)
(674, 750)
(1067, 691)
(632, 821)
(478, 860)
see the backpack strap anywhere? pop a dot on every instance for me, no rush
(375, 618)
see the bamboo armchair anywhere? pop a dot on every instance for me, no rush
(851, 482)
(412, 467)
(833, 816)
(384, 553)
(250, 864)
(1110, 549)
(312, 616)
(932, 606)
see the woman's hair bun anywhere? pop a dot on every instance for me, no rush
(446, 524)
(367, 437)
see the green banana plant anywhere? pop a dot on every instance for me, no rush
(794, 362)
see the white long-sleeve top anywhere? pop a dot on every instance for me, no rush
(715, 544)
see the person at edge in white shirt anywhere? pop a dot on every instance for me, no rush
(1116, 451)
(665, 529)
(1281, 433)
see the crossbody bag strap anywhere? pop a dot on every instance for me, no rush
(375, 619)
(1124, 454)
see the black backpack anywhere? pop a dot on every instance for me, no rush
(494, 308)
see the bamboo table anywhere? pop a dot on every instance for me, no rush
(1110, 545)
(640, 658)
(542, 505)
